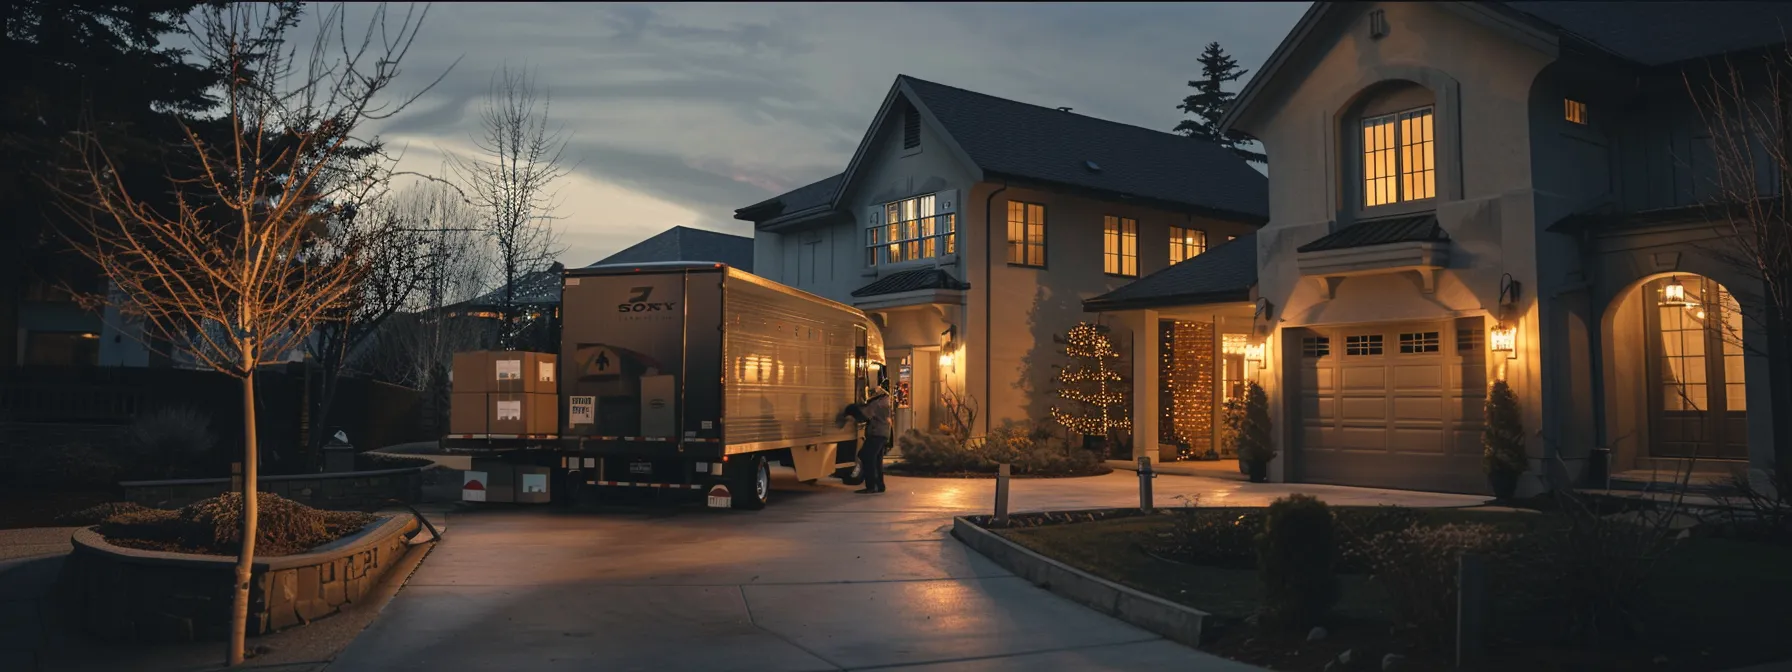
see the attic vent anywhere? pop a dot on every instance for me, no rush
(911, 127)
(1378, 24)
(1092, 166)
(1063, 109)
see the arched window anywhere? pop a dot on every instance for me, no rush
(1697, 397)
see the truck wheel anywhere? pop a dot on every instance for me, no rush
(850, 475)
(753, 484)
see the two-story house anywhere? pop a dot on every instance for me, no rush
(972, 227)
(1468, 192)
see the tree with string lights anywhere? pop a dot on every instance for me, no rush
(1092, 384)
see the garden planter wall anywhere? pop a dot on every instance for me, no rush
(346, 490)
(153, 597)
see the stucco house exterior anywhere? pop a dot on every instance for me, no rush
(972, 227)
(1465, 192)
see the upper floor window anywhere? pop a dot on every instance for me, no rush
(1120, 246)
(1398, 163)
(1186, 243)
(1574, 111)
(913, 229)
(1026, 234)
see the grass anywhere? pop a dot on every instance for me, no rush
(1717, 603)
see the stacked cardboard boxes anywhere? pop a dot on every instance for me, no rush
(504, 393)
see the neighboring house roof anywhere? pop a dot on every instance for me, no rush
(682, 243)
(1417, 228)
(908, 281)
(541, 288)
(1659, 33)
(1223, 274)
(1644, 33)
(1009, 139)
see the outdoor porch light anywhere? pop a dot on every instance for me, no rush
(1504, 338)
(946, 359)
(1674, 294)
(1253, 352)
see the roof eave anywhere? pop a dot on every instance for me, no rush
(799, 218)
(1101, 305)
(1247, 97)
(1110, 194)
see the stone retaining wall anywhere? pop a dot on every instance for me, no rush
(125, 594)
(346, 490)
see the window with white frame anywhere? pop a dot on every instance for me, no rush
(911, 230)
(1398, 158)
(1120, 246)
(1186, 243)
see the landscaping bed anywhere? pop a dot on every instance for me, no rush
(900, 469)
(214, 527)
(1714, 602)
(1029, 450)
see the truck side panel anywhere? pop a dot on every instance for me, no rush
(790, 367)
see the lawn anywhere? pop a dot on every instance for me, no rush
(1718, 603)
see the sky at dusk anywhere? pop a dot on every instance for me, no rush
(680, 113)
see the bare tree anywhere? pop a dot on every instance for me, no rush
(244, 266)
(1745, 105)
(513, 184)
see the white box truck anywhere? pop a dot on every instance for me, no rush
(695, 377)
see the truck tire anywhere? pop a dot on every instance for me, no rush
(751, 485)
(850, 475)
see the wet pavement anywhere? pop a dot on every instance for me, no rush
(823, 579)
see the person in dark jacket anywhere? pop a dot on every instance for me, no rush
(875, 413)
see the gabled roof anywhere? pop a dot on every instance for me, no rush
(682, 243)
(1003, 138)
(908, 281)
(1414, 229)
(539, 288)
(1642, 33)
(1223, 274)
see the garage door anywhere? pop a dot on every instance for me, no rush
(1391, 405)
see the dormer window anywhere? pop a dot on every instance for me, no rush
(1574, 111)
(1398, 158)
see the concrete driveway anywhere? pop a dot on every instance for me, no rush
(823, 579)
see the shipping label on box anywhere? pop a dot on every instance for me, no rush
(545, 371)
(581, 410)
(510, 410)
(509, 369)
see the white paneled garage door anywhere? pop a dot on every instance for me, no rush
(1391, 405)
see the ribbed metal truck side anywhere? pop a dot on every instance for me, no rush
(697, 376)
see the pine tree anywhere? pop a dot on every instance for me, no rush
(1210, 101)
(1092, 383)
(1502, 432)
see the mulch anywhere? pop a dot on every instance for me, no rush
(214, 527)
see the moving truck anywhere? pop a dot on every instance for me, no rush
(685, 376)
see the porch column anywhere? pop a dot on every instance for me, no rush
(1144, 382)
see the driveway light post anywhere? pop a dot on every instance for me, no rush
(1002, 495)
(1145, 476)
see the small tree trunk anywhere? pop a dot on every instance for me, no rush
(245, 560)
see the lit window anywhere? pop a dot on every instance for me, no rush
(1369, 344)
(1026, 234)
(1186, 243)
(1419, 342)
(913, 228)
(1315, 346)
(1574, 111)
(1120, 246)
(1397, 158)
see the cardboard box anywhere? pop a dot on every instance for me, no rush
(467, 412)
(471, 372)
(524, 413)
(532, 372)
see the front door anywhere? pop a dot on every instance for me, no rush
(1698, 401)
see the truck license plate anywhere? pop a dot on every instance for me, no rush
(640, 467)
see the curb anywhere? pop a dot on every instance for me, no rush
(1173, 621)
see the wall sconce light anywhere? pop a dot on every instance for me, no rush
(946, 360)
(1253, 352)
(1504, 338)
(1261, 313)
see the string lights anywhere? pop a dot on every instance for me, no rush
(1091, 383)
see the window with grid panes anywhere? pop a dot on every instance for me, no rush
(1026, 234)
(1398, 163)
(1120, 246)
(1315, 346)
(911, 231)
(1419, 342)
(1186, 243)
(1366, 344)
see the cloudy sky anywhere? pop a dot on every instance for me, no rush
(679, 113)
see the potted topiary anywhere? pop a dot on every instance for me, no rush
(1502, 441)
(1247, 429)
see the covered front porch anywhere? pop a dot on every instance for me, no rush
(919, 312)
(1192, 330)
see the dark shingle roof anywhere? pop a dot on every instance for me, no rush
(540, 288)
(1224, 274)
(1658, 33)
(908, 281)
(809, 196)
(1414, 229)
(682, 243)
(1042, 143)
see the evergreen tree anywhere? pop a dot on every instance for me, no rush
(1210, 101)
(1092, 383)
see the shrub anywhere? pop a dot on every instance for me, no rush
(1247, 425)
(937, 452)
(167, 442)
(1220, 537)
(1418, 567)
(1502, 432)
(1296, 561)
(1358, 527)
